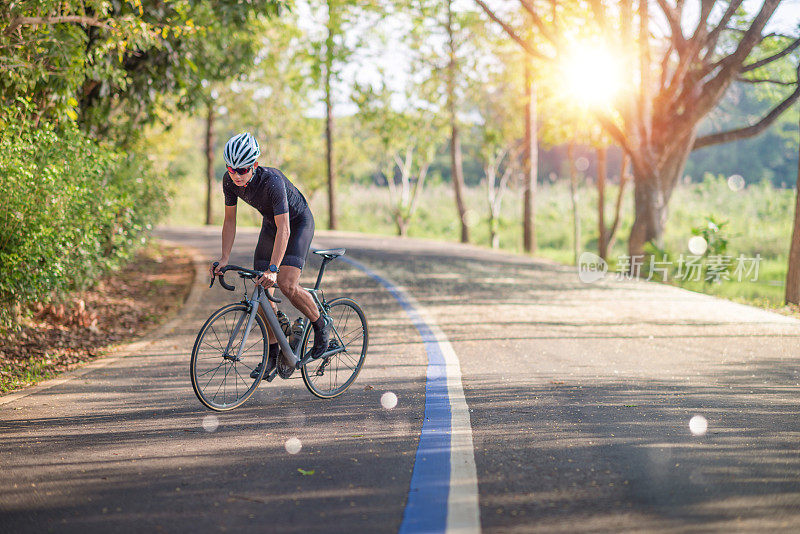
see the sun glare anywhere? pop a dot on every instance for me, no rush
(592, 75)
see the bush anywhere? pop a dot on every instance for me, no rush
(72, 210)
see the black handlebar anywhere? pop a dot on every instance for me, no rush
(242, 272)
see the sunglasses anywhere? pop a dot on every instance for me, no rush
(240, 172)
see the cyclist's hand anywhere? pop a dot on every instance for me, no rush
(222, 262)
(267, 279)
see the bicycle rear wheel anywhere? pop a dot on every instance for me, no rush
(220, 379)
(330, 377)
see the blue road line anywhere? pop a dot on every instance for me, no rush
(426, 508)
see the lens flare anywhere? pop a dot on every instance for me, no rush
(697, 245)
(388, 400)
(698, 425)
(210, 423)
(736, 182)
(592, 74)
(293, 445)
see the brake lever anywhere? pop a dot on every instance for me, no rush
(213, 276)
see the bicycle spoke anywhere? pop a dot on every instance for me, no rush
(220, 385)
(251, 346)
(214, 369)
(221, 346)
(353, 340)
(221, 350)
(215, 373)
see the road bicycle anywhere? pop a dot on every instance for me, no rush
(233, 341)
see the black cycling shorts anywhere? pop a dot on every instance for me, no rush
(301, 232)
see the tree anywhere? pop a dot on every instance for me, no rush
(502, 144)
(792, 295)
(674, 93)
(448, 44)
(456, 162)
(408, 143)
(499, 162)
(210, 115)
(531, 163)
(333, 42)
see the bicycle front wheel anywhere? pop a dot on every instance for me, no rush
(220, 374)
(330, 377)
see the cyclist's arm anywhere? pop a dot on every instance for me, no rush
(281, 238)
(228, 232)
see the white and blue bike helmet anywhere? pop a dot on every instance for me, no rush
(241, 151)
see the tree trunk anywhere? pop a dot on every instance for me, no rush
(402, 224)
(573, 186)
(456, 164)
(623, 178)
(209, 159)
(651, 193)
(602, 238)
(494, 239)
(332, 215)
(650, 214)
(793, 272)
(531, 163)
(457, 172)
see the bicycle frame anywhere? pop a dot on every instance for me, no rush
(259, 298)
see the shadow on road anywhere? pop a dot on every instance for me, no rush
(617, 456)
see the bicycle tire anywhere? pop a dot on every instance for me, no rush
(350, 329)
(208, 357)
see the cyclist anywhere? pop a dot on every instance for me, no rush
(286, 233)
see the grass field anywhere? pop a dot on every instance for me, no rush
(755, 220)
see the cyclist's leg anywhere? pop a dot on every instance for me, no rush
(302, 232)
(289, 278)
(261, 258)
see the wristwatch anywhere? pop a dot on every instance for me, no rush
(273, 269)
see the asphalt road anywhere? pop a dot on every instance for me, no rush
(579, 395)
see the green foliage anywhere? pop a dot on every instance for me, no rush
(712, 232)
(115, 66)
(73, 209)
(79, 201)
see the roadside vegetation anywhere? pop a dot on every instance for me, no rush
(117, 307)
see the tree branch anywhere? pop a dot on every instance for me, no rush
(731, 66)
(763, 80)
(689, 53)
(770, 59)
(511, 33)
(713, 36)
(537, 20)
(673, 18)
(38, 21)
(755, 129)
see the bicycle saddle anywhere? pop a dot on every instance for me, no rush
(331, 253)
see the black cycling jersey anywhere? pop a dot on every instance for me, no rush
(270, 192)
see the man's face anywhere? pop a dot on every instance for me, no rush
(242, 179)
